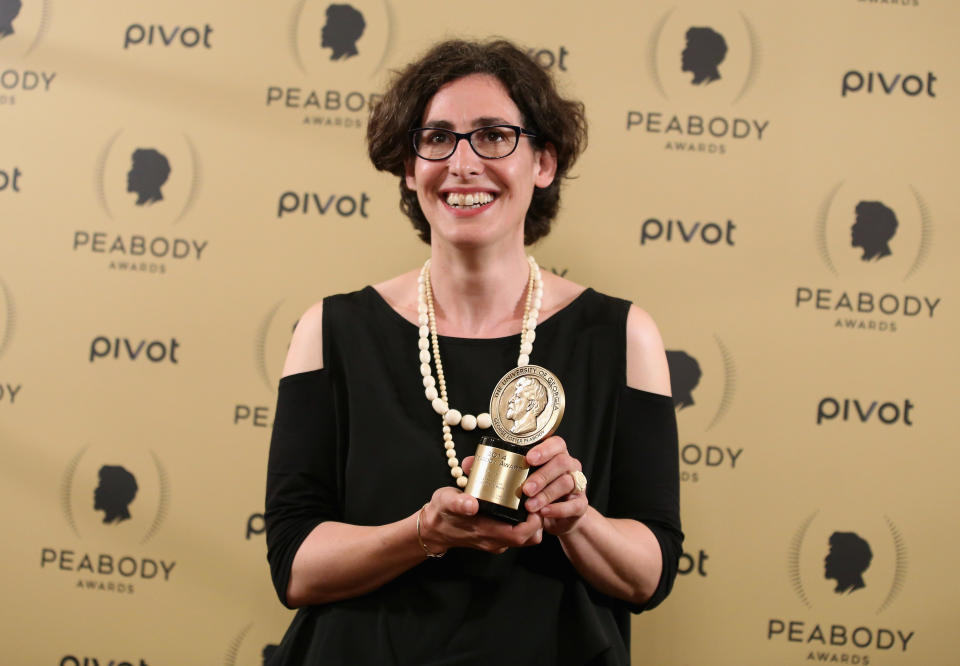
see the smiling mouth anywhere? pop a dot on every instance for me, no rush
(469, 200)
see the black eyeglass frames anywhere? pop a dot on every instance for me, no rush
(491, 143)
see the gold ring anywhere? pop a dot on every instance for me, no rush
(579, 481)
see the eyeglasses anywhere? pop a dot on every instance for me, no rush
(490, 143)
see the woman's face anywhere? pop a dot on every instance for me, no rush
(463, 105)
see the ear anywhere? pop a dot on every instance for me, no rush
(409, 174)
(546, 166)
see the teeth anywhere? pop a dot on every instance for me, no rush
(471, 200)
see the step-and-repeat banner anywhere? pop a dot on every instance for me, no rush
(773, 180)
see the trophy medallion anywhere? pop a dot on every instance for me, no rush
(526, 407)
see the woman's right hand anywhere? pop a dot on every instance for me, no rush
(451, 520)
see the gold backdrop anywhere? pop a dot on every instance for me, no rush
(179, 180)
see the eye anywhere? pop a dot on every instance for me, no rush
(494, 135)
(436, 137)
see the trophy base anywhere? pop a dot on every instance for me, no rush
(499, 471)
(503, 513)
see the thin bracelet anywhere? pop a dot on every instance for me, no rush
(420, 538)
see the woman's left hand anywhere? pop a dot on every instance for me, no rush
(551, 488)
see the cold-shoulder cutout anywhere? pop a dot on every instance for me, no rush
(647, 368)
(306, 346)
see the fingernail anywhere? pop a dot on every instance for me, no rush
(534, 457)
(533, 505)
(530, 488)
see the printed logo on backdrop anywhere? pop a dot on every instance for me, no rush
(10, 180)
(168, 36)
(847, 568)
(23, 25)
(693, 564)
(702, 61)
(270, 343)
(687, 232)
(874, 236)
(342, 44)
(888, 83)
(146, 182)
(897, 412)
(703, 379)
(888, 3)
(9, 389)
(114, 499)
(87, 660)
(252, 646)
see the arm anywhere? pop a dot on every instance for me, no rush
(316, 559)
(618, 556)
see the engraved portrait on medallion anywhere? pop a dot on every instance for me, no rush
(527, 403)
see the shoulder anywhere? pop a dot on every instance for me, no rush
(647, 368)
(400, 293)
(306, 346)
(343, 313)
(559, 292)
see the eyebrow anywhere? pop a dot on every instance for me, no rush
(483, 121)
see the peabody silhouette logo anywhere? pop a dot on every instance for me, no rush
(149, 171)
(875, 226)
(701, 57)
(22, 27)
(345, 45)
(253, 645)
(114, 482)
(340, 37)
(876, 233)
(113, 495)
(9, 10)
(146, 180)
(702, 403)
(854, 566)
(345, 25)
(706, 49)
(118, 498)
(848, 558)
(685, 374)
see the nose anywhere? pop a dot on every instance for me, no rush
(465, 162)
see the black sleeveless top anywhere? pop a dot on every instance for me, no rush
(358, 442)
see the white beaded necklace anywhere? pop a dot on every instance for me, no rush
(427, 319)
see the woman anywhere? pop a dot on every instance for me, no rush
(363, 491)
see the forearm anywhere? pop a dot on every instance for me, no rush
(619, 557)
(339, 561)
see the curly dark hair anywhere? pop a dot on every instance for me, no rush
(555, 120)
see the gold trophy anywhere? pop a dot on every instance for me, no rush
(526, 407)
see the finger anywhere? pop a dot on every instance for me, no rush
(514, 535)
(546, 450)
(549, 474)
(573, 506)
(452, 501)
(466, 465)
(535, 539)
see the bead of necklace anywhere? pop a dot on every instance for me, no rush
(435, 390)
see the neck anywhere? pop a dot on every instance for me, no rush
(478, 293)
